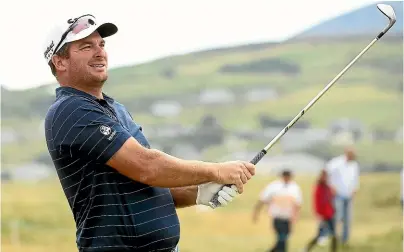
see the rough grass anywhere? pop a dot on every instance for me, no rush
(46, 224)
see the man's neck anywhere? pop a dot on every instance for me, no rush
(92, 90)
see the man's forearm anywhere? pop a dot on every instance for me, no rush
(156, 168)
(184, 196)
(168, 171)
(296, 213)
(257, 210)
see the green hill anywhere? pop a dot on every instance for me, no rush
(371, 91)
(373, 84)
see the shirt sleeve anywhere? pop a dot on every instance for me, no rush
(81, 128)
(267, 193)
(357, 177)
(299, 196)
(329, 166)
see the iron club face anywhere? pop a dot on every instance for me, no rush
(388, 11)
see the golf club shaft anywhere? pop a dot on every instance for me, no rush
(214, 202)
(258, 157)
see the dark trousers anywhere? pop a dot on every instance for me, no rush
(282, 229)
(328, 225)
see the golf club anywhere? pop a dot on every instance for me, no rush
(388, 11)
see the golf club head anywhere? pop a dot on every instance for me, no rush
(388, 11)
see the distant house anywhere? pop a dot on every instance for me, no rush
(379, 134)
(298, 163)
(346, 125)
(216, 96)
(166, 108)
(296, 139)
(399, 135)
(186, 151)
(343, 138)
(168, 130)
(384, 135)
(260, 94)
(8, 136)
(31, 172)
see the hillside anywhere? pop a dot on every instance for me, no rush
(356, 23)
(241, 87)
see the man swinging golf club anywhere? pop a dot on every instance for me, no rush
(123, 194)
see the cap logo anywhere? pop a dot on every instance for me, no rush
(71, 20)
(49, 50)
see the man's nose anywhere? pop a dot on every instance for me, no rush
(100, 52)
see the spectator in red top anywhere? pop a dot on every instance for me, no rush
(323, 198)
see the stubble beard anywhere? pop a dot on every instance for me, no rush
(87, 78)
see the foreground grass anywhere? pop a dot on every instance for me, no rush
(46, 224)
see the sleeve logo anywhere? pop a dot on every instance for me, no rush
(105, 130)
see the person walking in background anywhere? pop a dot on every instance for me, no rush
(284, 200)
(343, 174)
(323, 197)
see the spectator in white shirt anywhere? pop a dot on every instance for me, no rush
(344, 179)
(284, 200)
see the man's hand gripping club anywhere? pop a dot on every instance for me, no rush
(235, 173)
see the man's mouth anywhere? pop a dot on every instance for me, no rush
(98, 65)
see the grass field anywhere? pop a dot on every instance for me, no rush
(45, 222)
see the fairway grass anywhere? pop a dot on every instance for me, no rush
(46, 224)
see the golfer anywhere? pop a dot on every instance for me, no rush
(122, 193)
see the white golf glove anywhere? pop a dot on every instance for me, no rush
(208, 190)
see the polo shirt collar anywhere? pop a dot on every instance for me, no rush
(61, 91)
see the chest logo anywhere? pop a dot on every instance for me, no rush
(105, 130)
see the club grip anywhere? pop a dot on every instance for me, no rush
(258, 157)
(214, 202)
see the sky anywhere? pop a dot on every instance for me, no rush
(152, 29)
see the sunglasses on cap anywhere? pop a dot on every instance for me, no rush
(76, 26)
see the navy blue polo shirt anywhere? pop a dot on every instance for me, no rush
(111, 211)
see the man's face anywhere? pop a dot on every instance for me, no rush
(88, 61)
(287, 178)
(350, 155)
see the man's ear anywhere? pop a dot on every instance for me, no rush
(59, 63)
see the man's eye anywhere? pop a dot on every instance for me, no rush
(86, 47)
